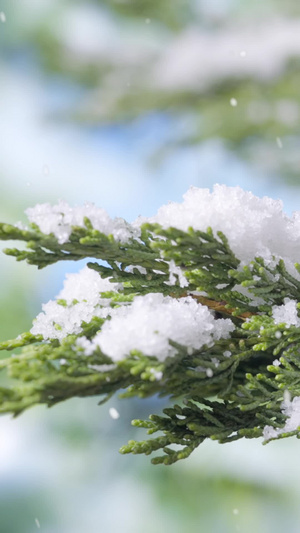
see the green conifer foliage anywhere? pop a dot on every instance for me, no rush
(226, 390)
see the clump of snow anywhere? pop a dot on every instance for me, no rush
(292, 410)
(60, 218)
(151, 320)
(82, 301)
(254, 226)
(86, 285)
(56, 321)
(286, 313)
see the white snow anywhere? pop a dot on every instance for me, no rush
(60, 218)
(86, 285)
(276, 362)
(56, 321)
(176, 273)
(151, 320)
(286, 313)
(114, 413)
(290, 409)
(254, 226)
(86, 345)
(139, 268)
(157, 374)
(146, 325)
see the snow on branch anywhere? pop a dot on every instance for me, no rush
(198, 303)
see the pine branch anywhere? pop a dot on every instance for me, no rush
(231, 385)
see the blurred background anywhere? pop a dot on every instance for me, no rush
(126, 103)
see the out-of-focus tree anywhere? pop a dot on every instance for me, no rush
(226, 70)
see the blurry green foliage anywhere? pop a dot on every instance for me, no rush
(24, 513)
(115, 88)
(219, 503)
(174, 15)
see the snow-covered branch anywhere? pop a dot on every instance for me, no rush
(199, 303)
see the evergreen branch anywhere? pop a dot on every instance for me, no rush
(231, 386)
